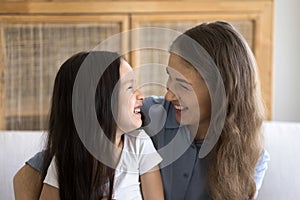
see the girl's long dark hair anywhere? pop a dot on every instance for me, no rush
(80, 175)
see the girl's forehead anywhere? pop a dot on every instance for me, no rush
(125, 69)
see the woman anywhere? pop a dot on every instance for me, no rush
(74, 173)
(214, 91)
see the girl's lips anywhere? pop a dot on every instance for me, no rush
(138, 115)
(137, 111)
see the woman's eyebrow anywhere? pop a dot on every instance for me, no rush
(182, 81)
(178, 79)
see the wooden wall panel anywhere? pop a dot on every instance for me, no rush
(260, 11)
(2, 97)
(35, 48)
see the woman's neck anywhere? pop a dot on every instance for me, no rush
(200, 131)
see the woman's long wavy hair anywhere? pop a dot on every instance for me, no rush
(233, 159)
(80, 175)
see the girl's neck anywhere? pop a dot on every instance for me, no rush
(118, 140)
(119, 143)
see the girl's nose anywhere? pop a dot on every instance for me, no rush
(139, 95)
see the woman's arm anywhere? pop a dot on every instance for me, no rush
(27, 183)
(152, 188)
(49, 193)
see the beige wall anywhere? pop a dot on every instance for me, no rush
(286, 97)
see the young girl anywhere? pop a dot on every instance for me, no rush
(74, 173)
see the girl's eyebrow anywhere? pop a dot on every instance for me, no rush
(129, 81)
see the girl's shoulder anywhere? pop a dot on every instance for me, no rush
(138, 134)
(138, 140)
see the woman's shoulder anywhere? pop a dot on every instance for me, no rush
(154, 100)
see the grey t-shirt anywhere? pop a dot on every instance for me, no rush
(37, 161)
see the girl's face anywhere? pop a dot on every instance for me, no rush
(130, 100)
(188, 92)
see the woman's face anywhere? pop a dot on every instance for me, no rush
(188, 92)
(130, 100)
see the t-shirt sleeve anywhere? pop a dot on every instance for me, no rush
(36, 161)
(148, 156)
(260, 170)
(51, 176)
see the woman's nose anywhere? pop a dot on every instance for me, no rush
(170, 96)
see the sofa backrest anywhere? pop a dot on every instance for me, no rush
(282, 179)
(16, 147)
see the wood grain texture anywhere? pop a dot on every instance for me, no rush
(132, 13)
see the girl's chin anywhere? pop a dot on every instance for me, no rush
(137, 120)
(138, 124)
(134, 126)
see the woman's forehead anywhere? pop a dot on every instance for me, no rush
(180, 67)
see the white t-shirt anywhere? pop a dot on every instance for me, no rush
(138, 157)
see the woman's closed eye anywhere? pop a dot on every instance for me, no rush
(184, 87)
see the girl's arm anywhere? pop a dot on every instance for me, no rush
(27, 183)
(49, 192)
(152, 188)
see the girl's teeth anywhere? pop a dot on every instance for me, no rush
(137, 111)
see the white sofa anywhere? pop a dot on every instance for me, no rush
(282, 140)
(282, 179)
(16, 147)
